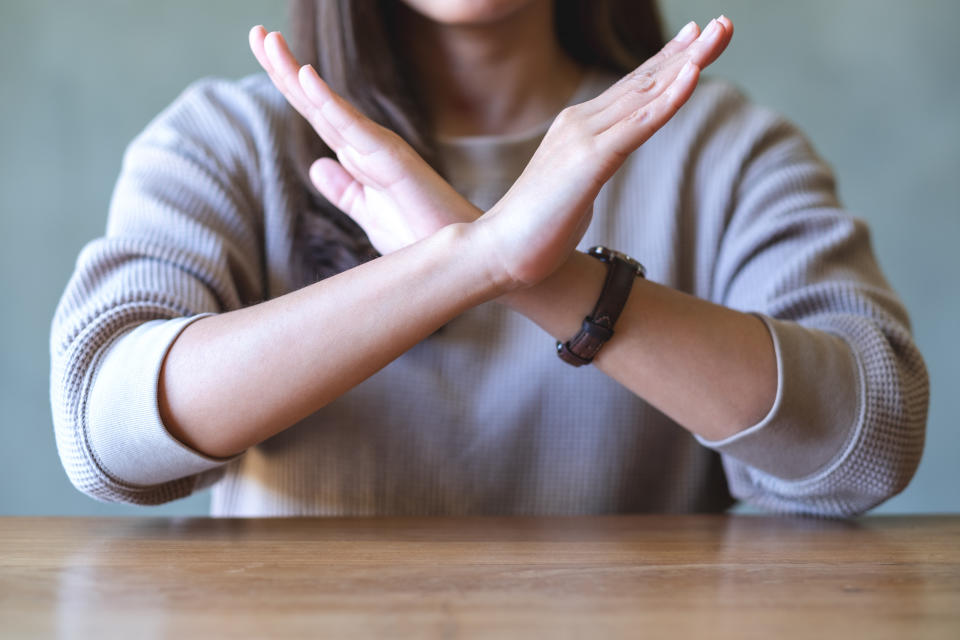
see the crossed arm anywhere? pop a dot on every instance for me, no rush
(234, 379)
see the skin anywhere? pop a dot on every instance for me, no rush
(508, 45)
(234, 379)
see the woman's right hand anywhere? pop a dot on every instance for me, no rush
(533, 229)
(377, 178)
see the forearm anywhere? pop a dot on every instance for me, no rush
(232, 380)
(711, 369)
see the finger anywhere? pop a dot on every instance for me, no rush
(285, 68)
(643, 75)
(727, 24)
(711, 43)
(337, 185)
(350, 126)
(646, 89)
(257, 34)
(636, 128)
(687, 34)
(356, 164)
(295, 96)
(257, 37)
(704, 50)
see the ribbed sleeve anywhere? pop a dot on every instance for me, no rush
(847, 428)
(124, 428)
(183, 238)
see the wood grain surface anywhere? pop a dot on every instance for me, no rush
(556, 577)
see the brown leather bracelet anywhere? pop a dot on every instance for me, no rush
(598, 326)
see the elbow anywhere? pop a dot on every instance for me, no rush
(80, 465)
(109, 440)
(86, 482)
(885, 480)
(88, 478)
(68, 399)
(892, 436)
(87, 475)
(71, 369)
(882, 448)
(892, 454)
(899, 454)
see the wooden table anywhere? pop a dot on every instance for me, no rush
(596, 577)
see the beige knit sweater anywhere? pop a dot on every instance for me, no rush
(728, 202)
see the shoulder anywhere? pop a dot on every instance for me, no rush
(718, 118)
(717, 102)
(720, 126)
(227, 121)
(719, 142)
(712, 94)
(228, 136)
(250, 101)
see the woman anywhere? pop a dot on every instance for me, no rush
(764, 356)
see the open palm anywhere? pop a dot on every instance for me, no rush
(377, 178)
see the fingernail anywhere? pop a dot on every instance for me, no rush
(686, 34)
(307, 72)
(712, 29)
(308, 81)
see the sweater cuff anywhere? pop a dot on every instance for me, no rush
(123, 426)
(817, 411)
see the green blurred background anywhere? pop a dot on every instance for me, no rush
(872, 82)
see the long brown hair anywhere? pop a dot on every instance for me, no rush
(354, 46)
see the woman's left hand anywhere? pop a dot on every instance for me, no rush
(377, 178)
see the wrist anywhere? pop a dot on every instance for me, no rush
(488, 257)
(471, 244)
(559, 302)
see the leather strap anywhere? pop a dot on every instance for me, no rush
(597, 328)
